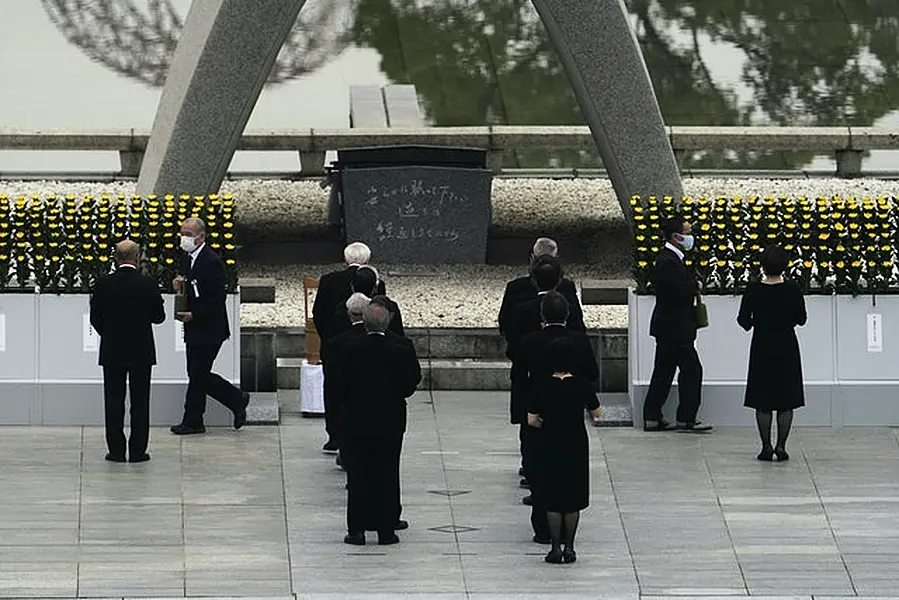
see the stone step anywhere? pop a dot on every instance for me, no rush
(469, 375)
(264, 409)
(467, 347)
(437, 374)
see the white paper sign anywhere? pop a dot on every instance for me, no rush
(875, 332)
(90, 340)
(2, 333)
(179, 336)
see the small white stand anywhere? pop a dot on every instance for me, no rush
(312, 390)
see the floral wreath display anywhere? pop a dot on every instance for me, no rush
(63, 245)
(837, 245)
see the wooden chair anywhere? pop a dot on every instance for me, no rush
(313, 341)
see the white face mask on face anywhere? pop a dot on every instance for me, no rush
(687, 242)
(188, 244)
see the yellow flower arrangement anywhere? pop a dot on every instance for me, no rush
(842, 245)
(66, 244)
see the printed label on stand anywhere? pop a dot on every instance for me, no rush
(90, 339)
(179, 336)
(875, 332)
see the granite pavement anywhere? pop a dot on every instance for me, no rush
(259, 513)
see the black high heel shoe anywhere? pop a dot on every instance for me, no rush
(781, 454)
(767, 454)
(554, 556)
(569, 556)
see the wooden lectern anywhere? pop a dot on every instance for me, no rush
(313, 342)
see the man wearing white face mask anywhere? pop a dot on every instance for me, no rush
(673, 325)
(206, 328)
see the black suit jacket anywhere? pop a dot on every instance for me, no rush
(205, 286)
(526, 319)
(375, 374)
(341, 322)
(334, 289)
(523, 288)
(531, 365)
(674, 315)
(124, 306)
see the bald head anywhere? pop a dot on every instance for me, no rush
(127, 252)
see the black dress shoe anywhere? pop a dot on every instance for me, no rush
(569, 556)
(115, 457)
(781, 454)
(142, 458)
(554, 556)
(660, 425)
(401, 525)
(240, 416)
(182, 429)
(330, 447)
(387, 540)
(355, 539)
(767, 454)
(528, 500)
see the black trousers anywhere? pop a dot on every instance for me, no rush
(332, 412)
(114, 380)
(674, 356)
(203, 382)
(373, 473)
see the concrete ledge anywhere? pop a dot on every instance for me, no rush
(605, 292)
(491, 138)
(264, 409)
(759, 138)
(257, 291)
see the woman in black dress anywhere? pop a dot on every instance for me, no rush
(772, 308)
(562, 466)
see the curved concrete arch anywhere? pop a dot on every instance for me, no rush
(228, 48)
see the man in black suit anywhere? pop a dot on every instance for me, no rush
(532, 367)
(377, 373)
(205, 330)
(333, 291)
(523, 288)
(124, 306)
(673, 325)
(365, 280)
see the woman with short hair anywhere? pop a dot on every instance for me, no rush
(772, 308)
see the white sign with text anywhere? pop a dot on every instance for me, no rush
(90, 339)
(875, 332)
(179, 336)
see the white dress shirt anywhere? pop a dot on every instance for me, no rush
(675, 249)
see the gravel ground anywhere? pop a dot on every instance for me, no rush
(457, 296)
(461, 296)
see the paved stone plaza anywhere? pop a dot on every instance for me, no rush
(259, 513)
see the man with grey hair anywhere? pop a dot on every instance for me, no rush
(331, 355)
(124, 307)
(385, 371)
(333, 291)
(203, 280)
